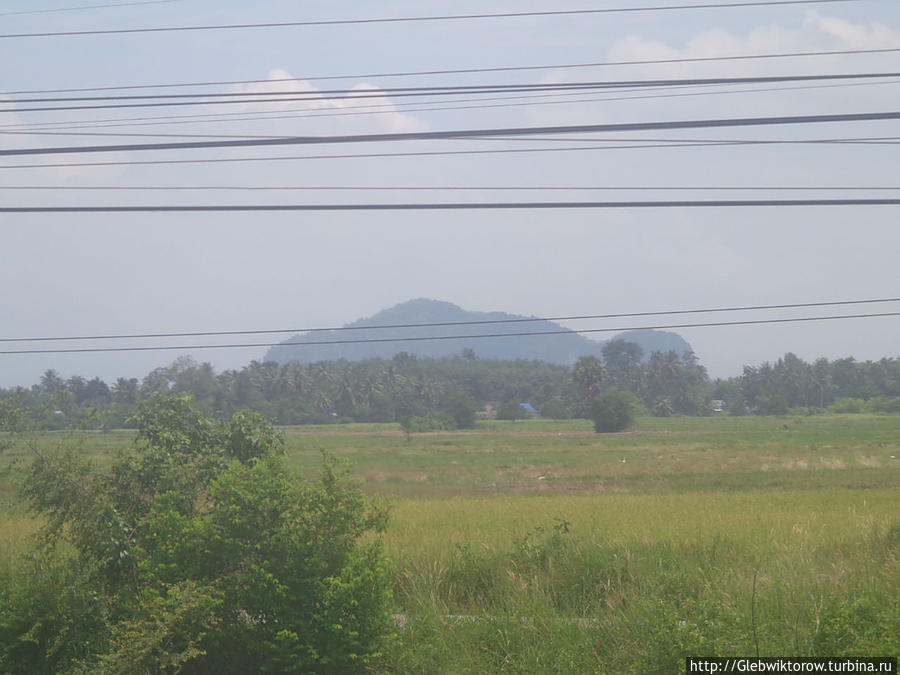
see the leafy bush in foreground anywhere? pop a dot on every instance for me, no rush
(200, 553)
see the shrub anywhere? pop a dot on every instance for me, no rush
(772, 405)
(511, 410)
(555, 409)
(206, 554)
(461, 409)
(848, 405)
(613, 411)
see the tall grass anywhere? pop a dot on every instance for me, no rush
(716, 536)
(636, 583)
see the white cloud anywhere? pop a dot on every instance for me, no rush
(365, 107)
(853, 36)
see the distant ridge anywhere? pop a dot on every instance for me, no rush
(562, 349)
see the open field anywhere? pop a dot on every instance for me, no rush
(660, 456)
(535, 547)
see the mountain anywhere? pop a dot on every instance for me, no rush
(368, 342)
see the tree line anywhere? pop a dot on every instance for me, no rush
(447, 392)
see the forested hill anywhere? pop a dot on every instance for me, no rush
(560, 349)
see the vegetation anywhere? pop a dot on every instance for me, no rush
(526, 546)
(446, 393)
(196, 553)
(611, 412)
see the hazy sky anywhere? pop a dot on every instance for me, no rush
(136, 273)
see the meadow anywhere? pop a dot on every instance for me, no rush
(538, 546)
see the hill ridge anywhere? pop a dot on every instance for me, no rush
(370, 336)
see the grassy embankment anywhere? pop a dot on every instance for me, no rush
(533, 547)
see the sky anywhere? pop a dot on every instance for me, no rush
(99, 274)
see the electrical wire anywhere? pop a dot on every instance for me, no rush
(410, 19)
(442, 324)
(463, 71)
(463, 188)
(468, 89)
(72, 350)
(445, 153)
(387, 108)
(462, 133)
(73, 9)
(451, 206)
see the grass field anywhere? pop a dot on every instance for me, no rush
(539, 546)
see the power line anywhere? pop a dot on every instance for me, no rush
(449, 337)
(370, 109)
(448, 90)
(387, 108)
(462, 188)
(410, 19)
(463, 133)
(451, 206)
(462, 71)
(41, 132)
(889, 140)
(442, 324)
(73, 9)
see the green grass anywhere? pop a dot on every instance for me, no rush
(668, 455)
(532, 547)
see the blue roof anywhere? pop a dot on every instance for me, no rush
(529, 408)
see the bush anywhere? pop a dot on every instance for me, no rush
(421, 424)
(511, 410)
(555, 410)
(772, 405)
(885, 404)
(848, 405)
(611, 412)
(206, 554)
(461, 409)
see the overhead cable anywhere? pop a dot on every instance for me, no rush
(463, 133)
(81, 7)
(410, 19)
(384, 109)
(462, 188)
(450, 206)
(463, 71)
(73, 350)
(889, 140)
(320, 94)
(394, 108)
(479, 322)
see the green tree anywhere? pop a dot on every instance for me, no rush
(201, 553)
(462, 409)
(623, 364)
(511, 410)
(612, 411)
(588, 374)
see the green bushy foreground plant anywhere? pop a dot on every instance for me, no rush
(198, 553)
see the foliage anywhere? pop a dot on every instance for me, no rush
(203, 554)
(848, 405)
(461, 408)
(588, 374)
(612, 411)
(424, 423)
(555, 409)
(511, 410)
(772, 405)
(388, 390)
